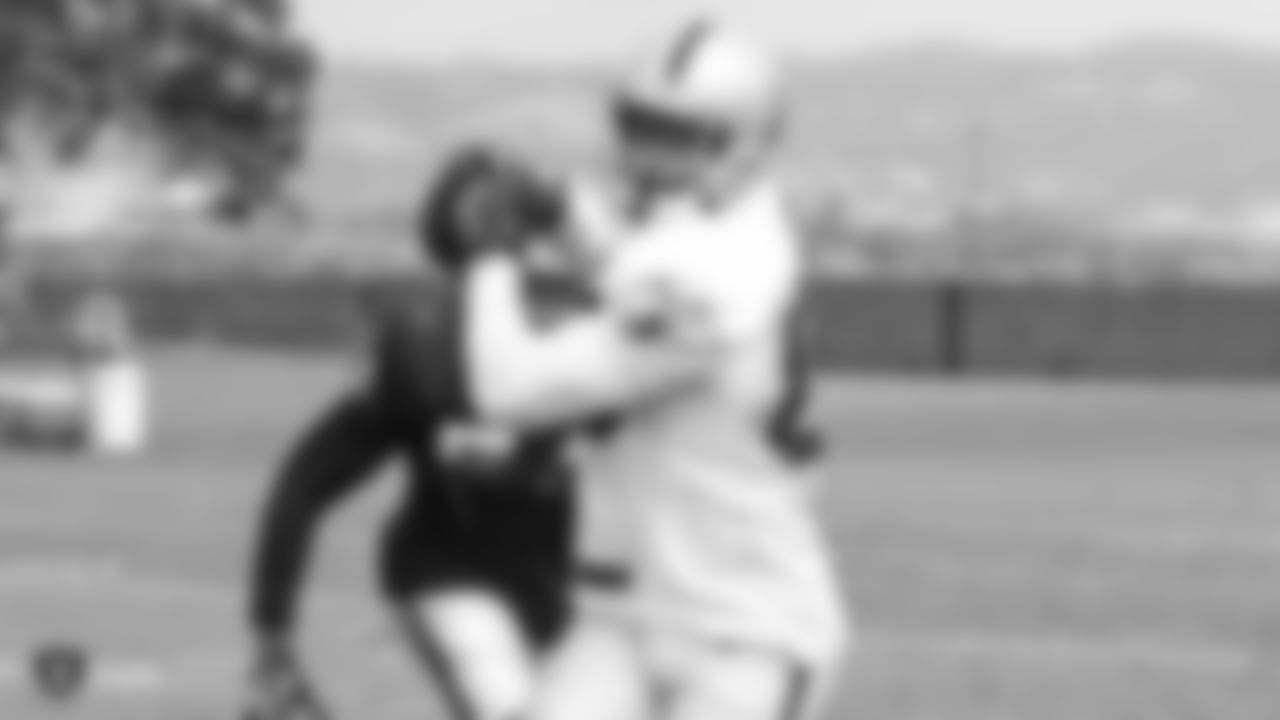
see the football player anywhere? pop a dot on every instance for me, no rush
(726, 604)
(476, 560)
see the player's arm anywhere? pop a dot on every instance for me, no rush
(629, 350)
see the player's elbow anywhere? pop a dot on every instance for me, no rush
(577, 373)
(520, 398)
(534, 394)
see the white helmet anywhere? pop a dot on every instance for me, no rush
(707, 74)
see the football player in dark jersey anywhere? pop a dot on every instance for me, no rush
(476, 561)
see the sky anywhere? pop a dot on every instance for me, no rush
(572, 31)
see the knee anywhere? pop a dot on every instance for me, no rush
(482, 654)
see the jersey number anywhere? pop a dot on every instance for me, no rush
(790, 428)
(474, 445)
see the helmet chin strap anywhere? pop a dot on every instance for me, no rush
(727, 181)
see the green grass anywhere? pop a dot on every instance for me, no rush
(1011, 551)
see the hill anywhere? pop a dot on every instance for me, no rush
(1155, 130)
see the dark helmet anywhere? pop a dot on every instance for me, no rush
(484, 201)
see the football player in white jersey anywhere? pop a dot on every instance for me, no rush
(727, 606)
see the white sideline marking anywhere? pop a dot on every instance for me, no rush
(35, 573)
(138, 677)
(1261, 541)
(114, 677)
(105, 574)
(1188, 656)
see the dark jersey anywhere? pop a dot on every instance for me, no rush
(470, 512)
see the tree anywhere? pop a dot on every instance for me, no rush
(214, 91)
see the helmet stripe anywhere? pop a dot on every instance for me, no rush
(683, 52)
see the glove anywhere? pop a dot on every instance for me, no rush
(279, 688)
(484, 202)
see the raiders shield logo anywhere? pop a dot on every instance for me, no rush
(475, 445)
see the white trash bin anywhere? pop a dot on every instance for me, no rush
(116, 388)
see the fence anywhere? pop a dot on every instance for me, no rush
(920, 328)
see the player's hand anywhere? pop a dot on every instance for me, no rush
(278, 685)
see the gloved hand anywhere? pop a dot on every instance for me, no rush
(486, 201)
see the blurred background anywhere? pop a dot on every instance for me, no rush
(996, 193)
(963, 162)
(115, 111)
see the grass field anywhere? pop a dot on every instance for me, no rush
(1012, 552)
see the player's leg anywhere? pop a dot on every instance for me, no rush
(710, 681)
(471, 639)
(595, 673)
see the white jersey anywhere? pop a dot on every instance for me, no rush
(715, 526)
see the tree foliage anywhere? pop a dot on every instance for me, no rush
(209, 90)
